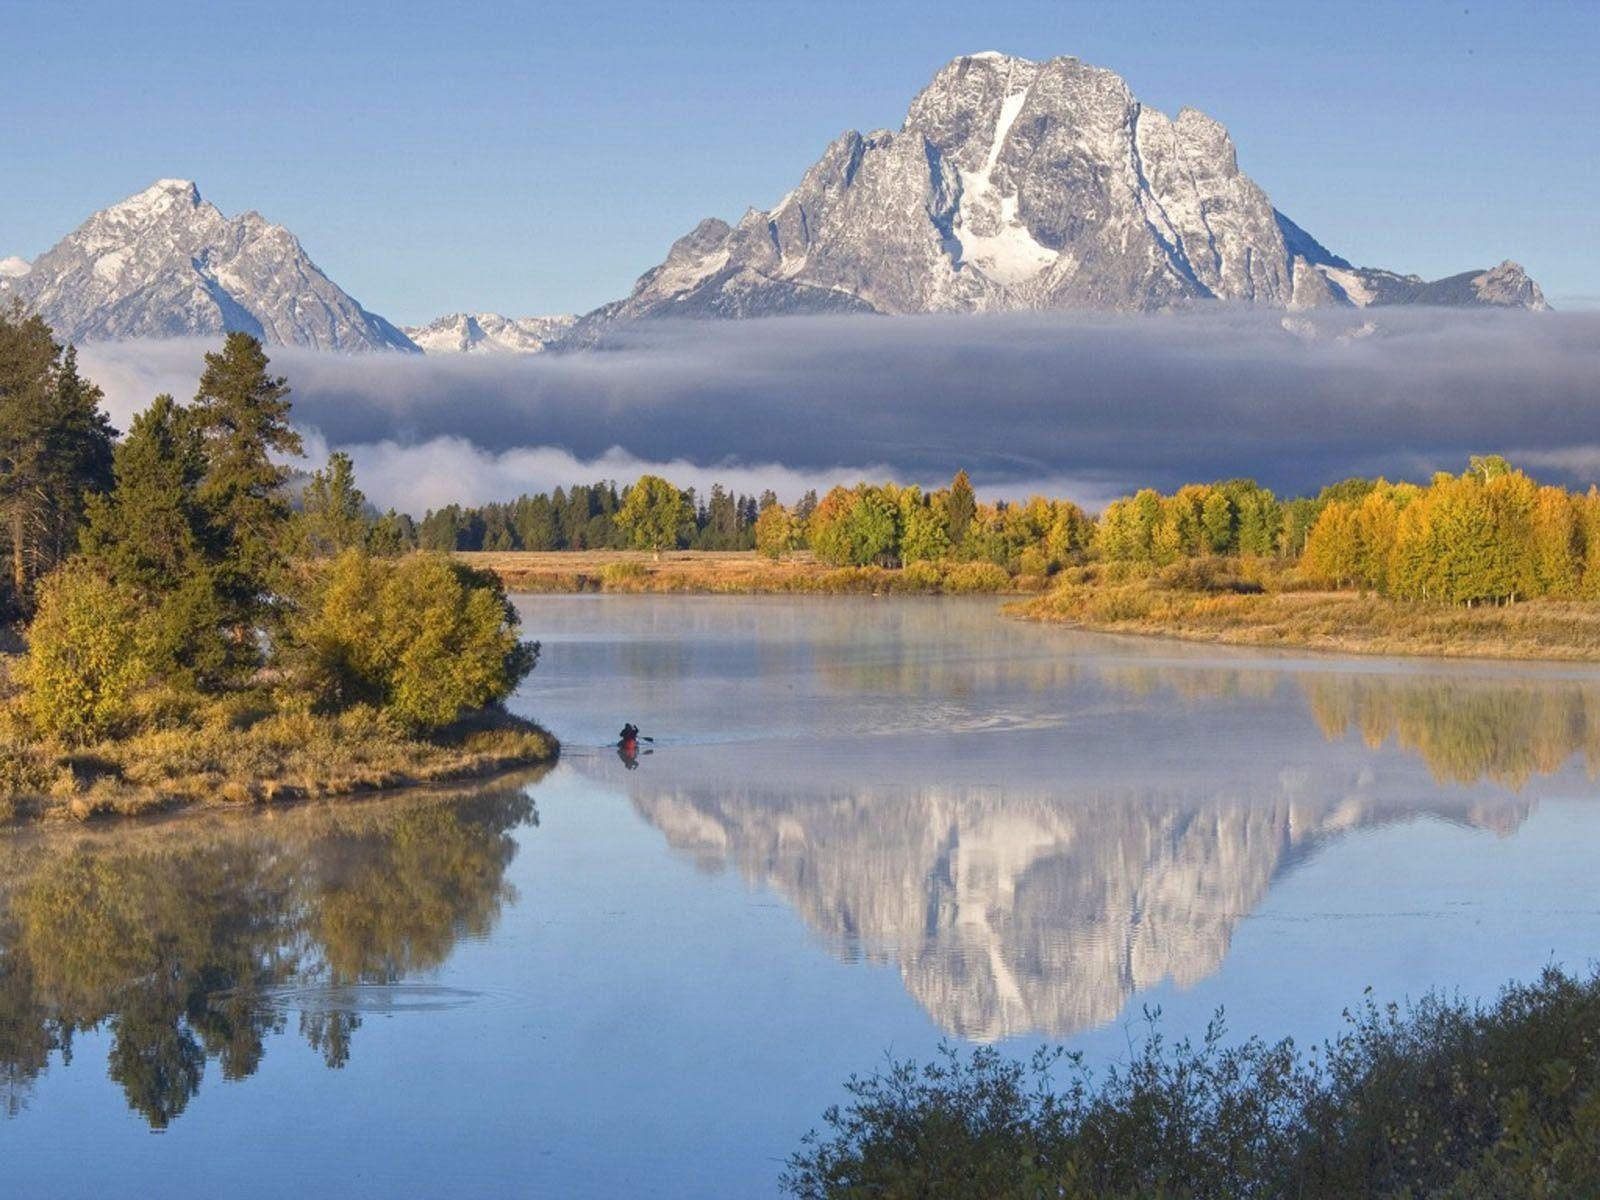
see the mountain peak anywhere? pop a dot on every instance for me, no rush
(164, 263)
(162, 196)
(1023, 184)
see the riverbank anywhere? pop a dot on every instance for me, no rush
(1341, 622)
(244, 753)
(732, 572)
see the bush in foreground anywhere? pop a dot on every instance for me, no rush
(426, 638)
(1441, 1098)
(86, 655)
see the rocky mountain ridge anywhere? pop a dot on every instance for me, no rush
(1011, 184)
(165, 263)
(1015, 184)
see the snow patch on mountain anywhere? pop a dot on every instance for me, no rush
(1010, 254)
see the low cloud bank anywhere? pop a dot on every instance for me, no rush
(1075, 405)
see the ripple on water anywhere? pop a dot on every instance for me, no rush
(400, 997)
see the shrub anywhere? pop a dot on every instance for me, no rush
(976, 577)
(1439, 1099)
(622, 576)
(87, 655)
(922, 576)
(424, 637)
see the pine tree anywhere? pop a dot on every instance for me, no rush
(242, 413)
(154, 536)
(333, 515)
(960, 506)
(55, 449)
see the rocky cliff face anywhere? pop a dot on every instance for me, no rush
(166, 263)
(1018, 184)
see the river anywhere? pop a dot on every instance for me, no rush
(863, 826)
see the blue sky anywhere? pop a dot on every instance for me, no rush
(536, 158)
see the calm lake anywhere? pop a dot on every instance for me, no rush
(864, 825)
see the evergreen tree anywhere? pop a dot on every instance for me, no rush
(153, 535)
(959, 508)
(55, 449)
(394, 533)
(242, 413)
(333, 515)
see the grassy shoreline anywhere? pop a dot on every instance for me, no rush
(1335, 622)
(248, 758)
(731, 572)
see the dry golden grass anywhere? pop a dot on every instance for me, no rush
(1337, 621)
(243, 754)
(718, 572)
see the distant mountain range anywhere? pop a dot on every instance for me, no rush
(1012, 184)
(469, 333)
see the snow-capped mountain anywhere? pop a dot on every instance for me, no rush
(473, 333)
(165, 263)
(1011, 184)
(1019, 184)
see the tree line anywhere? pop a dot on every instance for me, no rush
(582, 517)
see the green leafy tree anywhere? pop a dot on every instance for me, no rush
(924, 530)
(86, 654)
(655, 515)
(1218, 522)
(425, 637)
(777, 532)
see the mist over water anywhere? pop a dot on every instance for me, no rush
(1069, 404)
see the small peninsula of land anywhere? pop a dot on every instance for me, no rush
(193, 628)
(246, 752)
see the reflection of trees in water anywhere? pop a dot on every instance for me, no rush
(179, 938)
(1466, 730)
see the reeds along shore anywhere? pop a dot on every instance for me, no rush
(1342, 622)
(735, 573)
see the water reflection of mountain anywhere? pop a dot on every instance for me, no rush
(195, 940)
(1034, 880)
